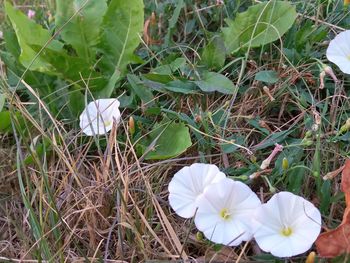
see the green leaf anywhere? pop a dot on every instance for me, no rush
(121, 27)
(73, 69)
(29, 33)
(259, 25)
(76, 102)
(5, 121)
(267, 76)
(177, 86)
(173, 21)
(170, 68)
(214, 53)
(212, 81)
(170, 140)
(144, 93)
(107, 91)
(82, 31)
(2, 101)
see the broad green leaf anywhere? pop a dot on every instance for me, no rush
(170, 68)
(178, 86)
(73, 70)
(267, 76)
(107, 91)
(82, 31)
(214, 53)
(29, 33)
(120, 36)
(212, 81)
(5, 121)
(259, 25)
(170, 140)
(232, 147)
(76, 102)
(11, 43)
(144, 93)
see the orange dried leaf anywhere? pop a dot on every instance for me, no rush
(345, 179)
(337, 241)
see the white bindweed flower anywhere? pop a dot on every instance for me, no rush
(287, 225)
(188, 184)
(224, 212)
(338, 51)
(99, 115)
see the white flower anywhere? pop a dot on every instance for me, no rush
(338, 51)
(188, 184)
(99, 115)
(287, 225)
(225, 210)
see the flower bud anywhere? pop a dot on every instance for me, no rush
(329, 72)
(345, 127)
(308, 143)
(285, 163)
(252, 158)
(31, 14)
(308, 134)
(311, 257)
(199, 236)
(131, 126)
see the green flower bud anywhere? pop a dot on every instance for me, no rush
(285, 163)
(199, 236)
(308, 134)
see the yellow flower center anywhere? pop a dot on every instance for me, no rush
(287, 231)
(107, 123)
(349, 57)
(225, 214)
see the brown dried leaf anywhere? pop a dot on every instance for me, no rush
(337, 241)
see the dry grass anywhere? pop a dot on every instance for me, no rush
(94, 201)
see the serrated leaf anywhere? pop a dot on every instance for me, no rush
(82, 31)
(170, 140)
(29, 33)
(212, 81)
(121, 26)
(259, 25)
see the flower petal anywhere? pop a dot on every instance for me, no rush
(338, 51)
(99, 115)
(237, 201)
(188, 185)
(287, 211)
